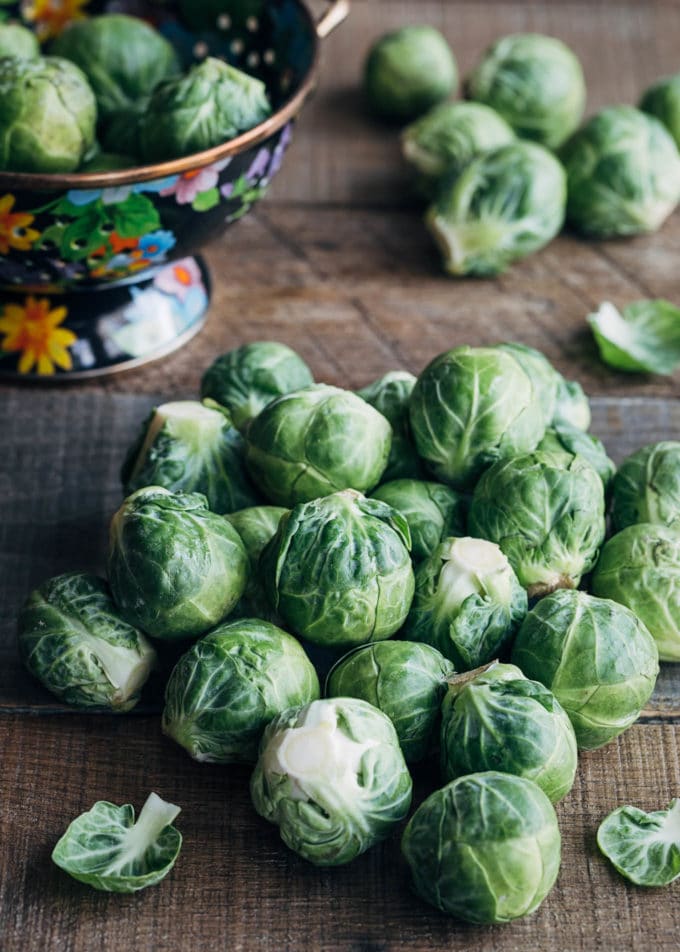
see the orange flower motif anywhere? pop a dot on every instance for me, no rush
(14, 230)
(51, 16)
(33, 330)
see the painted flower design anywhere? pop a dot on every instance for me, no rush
(190, 184)
(179, 278)
(51, 16)
(34, 331)
(14, 227)
(156, 244)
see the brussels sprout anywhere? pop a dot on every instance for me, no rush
(72, 639)
(224, 691)
(533, 81)
(106, 849)
(504, 205)
(470, 407)
(390, 396)
(257, 526)
(596, 657)
(246, 379)
(484, 848)
(448, 137)
(662, 100)
(623, 174)
(547, 513)
(332, 776)
(47, 115)
(647, 487)
(209, 105)
(175, 568)
(405, 680)
(642, 338)
(572, 407)
(467, 603)
(316, 441)
(16, 40)
(338, 570)
(563, 438)
(108, 162)
(432, 510)
(121, 131)
(498, 720)
(643, 847)
(540, 371)
(188, 447)
(640, 568)
(408, 71)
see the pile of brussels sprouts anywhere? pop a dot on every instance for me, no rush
(111, 94)
(504, 169)
(423, 544)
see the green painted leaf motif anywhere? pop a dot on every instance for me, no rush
(85, 234)
(204, 201)
(643, 847)
(135, 216)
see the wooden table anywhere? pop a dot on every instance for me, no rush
(336, 263)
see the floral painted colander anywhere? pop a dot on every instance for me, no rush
(97, 271)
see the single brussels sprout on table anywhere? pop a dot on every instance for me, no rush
(433, 512)
(547, 513)
(16, 40)
(468, 602)
(662, 100)
(257, 526)
(643, 847)
(72, 639)
(562, 438)
(338, 570)
(207, 106)
(470, 407)
(623, 174)
(175, 568)
(246, 379)
(332, 777)
(639, 567)
(229, 685)
(534, 82)
(499, 720)
(106, 849)
(403, 679)
(647, 487)
(597, 658)
(571, 406)
(314, 442)
(642, 338)
(48, 115)
(485, 848)
(408, 71)
(186, 446)
(390, 396)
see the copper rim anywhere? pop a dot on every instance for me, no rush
(29, 181)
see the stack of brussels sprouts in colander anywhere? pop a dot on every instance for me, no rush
(504, 170)
(423, 544)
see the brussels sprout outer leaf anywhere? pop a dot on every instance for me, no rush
(647, 487)
(257, 526)
(643, 847)
(643, 338)
(662, 100)
(563, 438)
(390, 396)
(571, 406)
(433, 512)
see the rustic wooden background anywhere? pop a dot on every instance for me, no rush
(336, 263)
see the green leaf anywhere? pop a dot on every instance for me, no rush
(643, 338)
(84, 235)
(643, 847)
(135, 216)
(204, 201)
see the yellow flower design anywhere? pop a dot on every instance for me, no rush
(33, 330)
(14, 230)
(51, 16)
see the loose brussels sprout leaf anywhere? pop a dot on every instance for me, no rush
(467, 603)
(390, 396)
(662, 100)
(432, 510)
(123, 58)
(72, 639)
(408, 71)
(640, 568)
(502, 721)
(175, 568)
(448, 137)
(106, 849)
(257, 526)
(338, 570)
(470, 407)
(623, 174)
(405, 680)
(571, 407)
(504, 205)
(188, 447)
(332, 776)
(643, 847)
(543, 376)
(246, 379)
(484, 848)
(596, 657)
(647, 487)
(209, 105)
(533, 81)
(47, 115)
(563, 438)
(16, 40)
(229, 685)
(547, 513)
(643, 338)
(316, 441)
